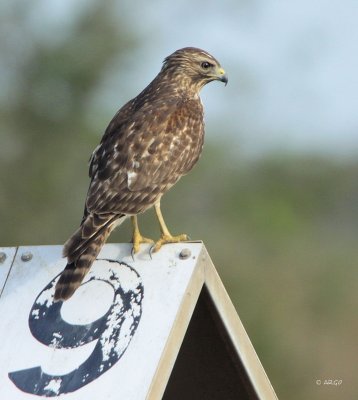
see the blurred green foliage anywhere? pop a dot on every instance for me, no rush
(282, 230)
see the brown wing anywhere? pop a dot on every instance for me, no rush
(145, 155)
(115, 130)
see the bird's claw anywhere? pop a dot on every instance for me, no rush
(151, 251)
(132, 253)
(165, 239)
(137, 241)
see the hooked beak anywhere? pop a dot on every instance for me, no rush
(222, 76)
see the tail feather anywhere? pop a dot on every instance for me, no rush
(92, 225)
(81, 250)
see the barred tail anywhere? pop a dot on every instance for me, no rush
(81, 250)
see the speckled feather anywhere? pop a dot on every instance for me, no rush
(151, 142)
(146, 157)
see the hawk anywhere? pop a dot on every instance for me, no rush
(150, 143)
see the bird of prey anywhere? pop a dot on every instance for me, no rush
(150, 143)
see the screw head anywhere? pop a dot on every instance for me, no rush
(27, 256)
(184, 254)
(2, 257)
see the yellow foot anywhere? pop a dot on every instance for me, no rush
(169, 239)
(137, 240)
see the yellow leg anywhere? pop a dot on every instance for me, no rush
(166, 236)
(137, 238)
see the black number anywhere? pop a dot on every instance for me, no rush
(112, 334)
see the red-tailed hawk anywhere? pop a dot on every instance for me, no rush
(151, 142)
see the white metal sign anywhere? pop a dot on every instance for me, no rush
(103, 343)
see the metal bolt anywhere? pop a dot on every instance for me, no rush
(27, 256)
(2, 257)
(184, 254)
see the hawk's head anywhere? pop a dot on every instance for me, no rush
(196, 65)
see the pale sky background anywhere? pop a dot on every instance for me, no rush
(292, 65)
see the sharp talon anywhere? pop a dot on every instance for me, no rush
(151, 251)
(137, 243)
(132, 253)
(188, 237)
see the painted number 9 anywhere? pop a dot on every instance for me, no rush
(113, 331)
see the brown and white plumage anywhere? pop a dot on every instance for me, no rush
(151, 142)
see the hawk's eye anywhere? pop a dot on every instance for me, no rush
(206, 65)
